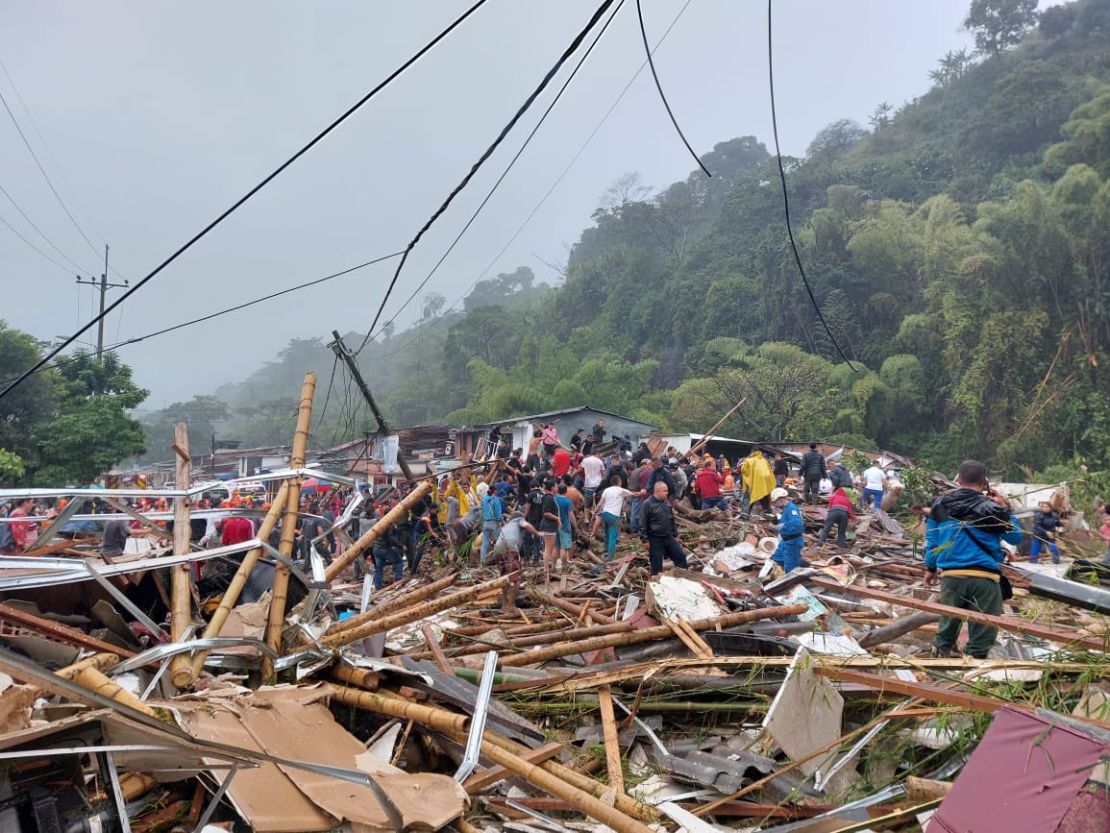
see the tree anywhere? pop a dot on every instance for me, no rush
(1000, 24)
(433, 305)
(25, 410)
(11, 467)
(627, 188)
(880, 119)
(202, 414)
(951, 68)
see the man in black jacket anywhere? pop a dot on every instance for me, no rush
(812, 470)
(657, 527)
(659, 474)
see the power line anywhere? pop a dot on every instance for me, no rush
(508, 168)
(228, 310)
(41, 253)
(786, 195)
(570, 50)
(662, 95)
(41, 233)
(550, 191)
(49, 152)
(235, 206)
(45, 175)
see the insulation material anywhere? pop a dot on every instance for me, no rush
(681, 598)
(1031, 770)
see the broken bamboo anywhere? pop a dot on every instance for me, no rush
(647, 635)
(239, 580)
(440, 719)
(101, 662)
(567, 607)
(532, 640)
(181, 591)
(413, 614)
(275, 623)
(388, 520)
(405, 600)
(94, 680)
(609, 736)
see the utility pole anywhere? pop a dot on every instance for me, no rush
(103, 286)
(343, 352)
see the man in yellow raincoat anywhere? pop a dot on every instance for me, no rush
(758, 480)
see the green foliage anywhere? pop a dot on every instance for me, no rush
(11, 467)
(1000, 24)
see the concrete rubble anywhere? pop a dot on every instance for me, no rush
(723, 696)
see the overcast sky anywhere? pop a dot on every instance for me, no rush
(158, 115)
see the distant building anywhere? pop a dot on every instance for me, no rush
(568, 420)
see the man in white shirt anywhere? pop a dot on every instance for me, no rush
(610, 506)
(592, 470)
(874, 482)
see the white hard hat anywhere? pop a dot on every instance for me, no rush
(779, 493)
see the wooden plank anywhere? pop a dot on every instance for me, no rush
(490, 776)
(436, 650)
(612, 742)
(1006, 623)
(695, 637)
(922, 691)
(181, 584)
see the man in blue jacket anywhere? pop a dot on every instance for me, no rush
(790, 527)
(963, 539)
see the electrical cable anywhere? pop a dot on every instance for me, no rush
(550, 191)
(570, 50)
(504, 173)
(227, 310)
(786, 196)
(46, 146)
(46, 176)
(41, 234)
(235, 206)
(41, 253)
(662, 95)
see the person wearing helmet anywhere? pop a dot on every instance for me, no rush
(790, 527)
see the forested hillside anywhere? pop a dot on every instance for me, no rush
(959, 247)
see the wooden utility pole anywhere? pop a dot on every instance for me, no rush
(343, 352)
(103, 286)
(276, 621)
(181, 591)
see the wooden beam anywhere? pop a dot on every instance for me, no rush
(922, 691)
(612, 742)
(437, 651)
(1006, 623)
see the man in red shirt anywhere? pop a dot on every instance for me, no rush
(24, 533)
(560, 462)
(709, 482)
(236, 530)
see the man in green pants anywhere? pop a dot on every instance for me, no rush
(963, 539)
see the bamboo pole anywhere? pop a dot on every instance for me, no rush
(275, 624)
(705, 437)
(413, 613)
(389, 519)
(101, 662)
(440, 719)
(624, 802)
(94, 680)
(612, 742)
(583, 646)
(401, 602)
(567, 607)
(239, 580)
(181, 591)
(535, 639)
(545, 780)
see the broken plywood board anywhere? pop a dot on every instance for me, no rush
(680, 598)
(805, 714)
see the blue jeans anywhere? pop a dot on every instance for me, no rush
(612, 530)
(634, 519)
(713, 502)
(1038, 545)
(387, 556)
(875, 495)
(490, 531)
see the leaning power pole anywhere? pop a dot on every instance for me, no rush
(343, 352)
(103, 285)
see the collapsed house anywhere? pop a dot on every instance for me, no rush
(723, 696)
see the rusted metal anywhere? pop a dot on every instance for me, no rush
(59, 632)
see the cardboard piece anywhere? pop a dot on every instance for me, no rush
(293, 723)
